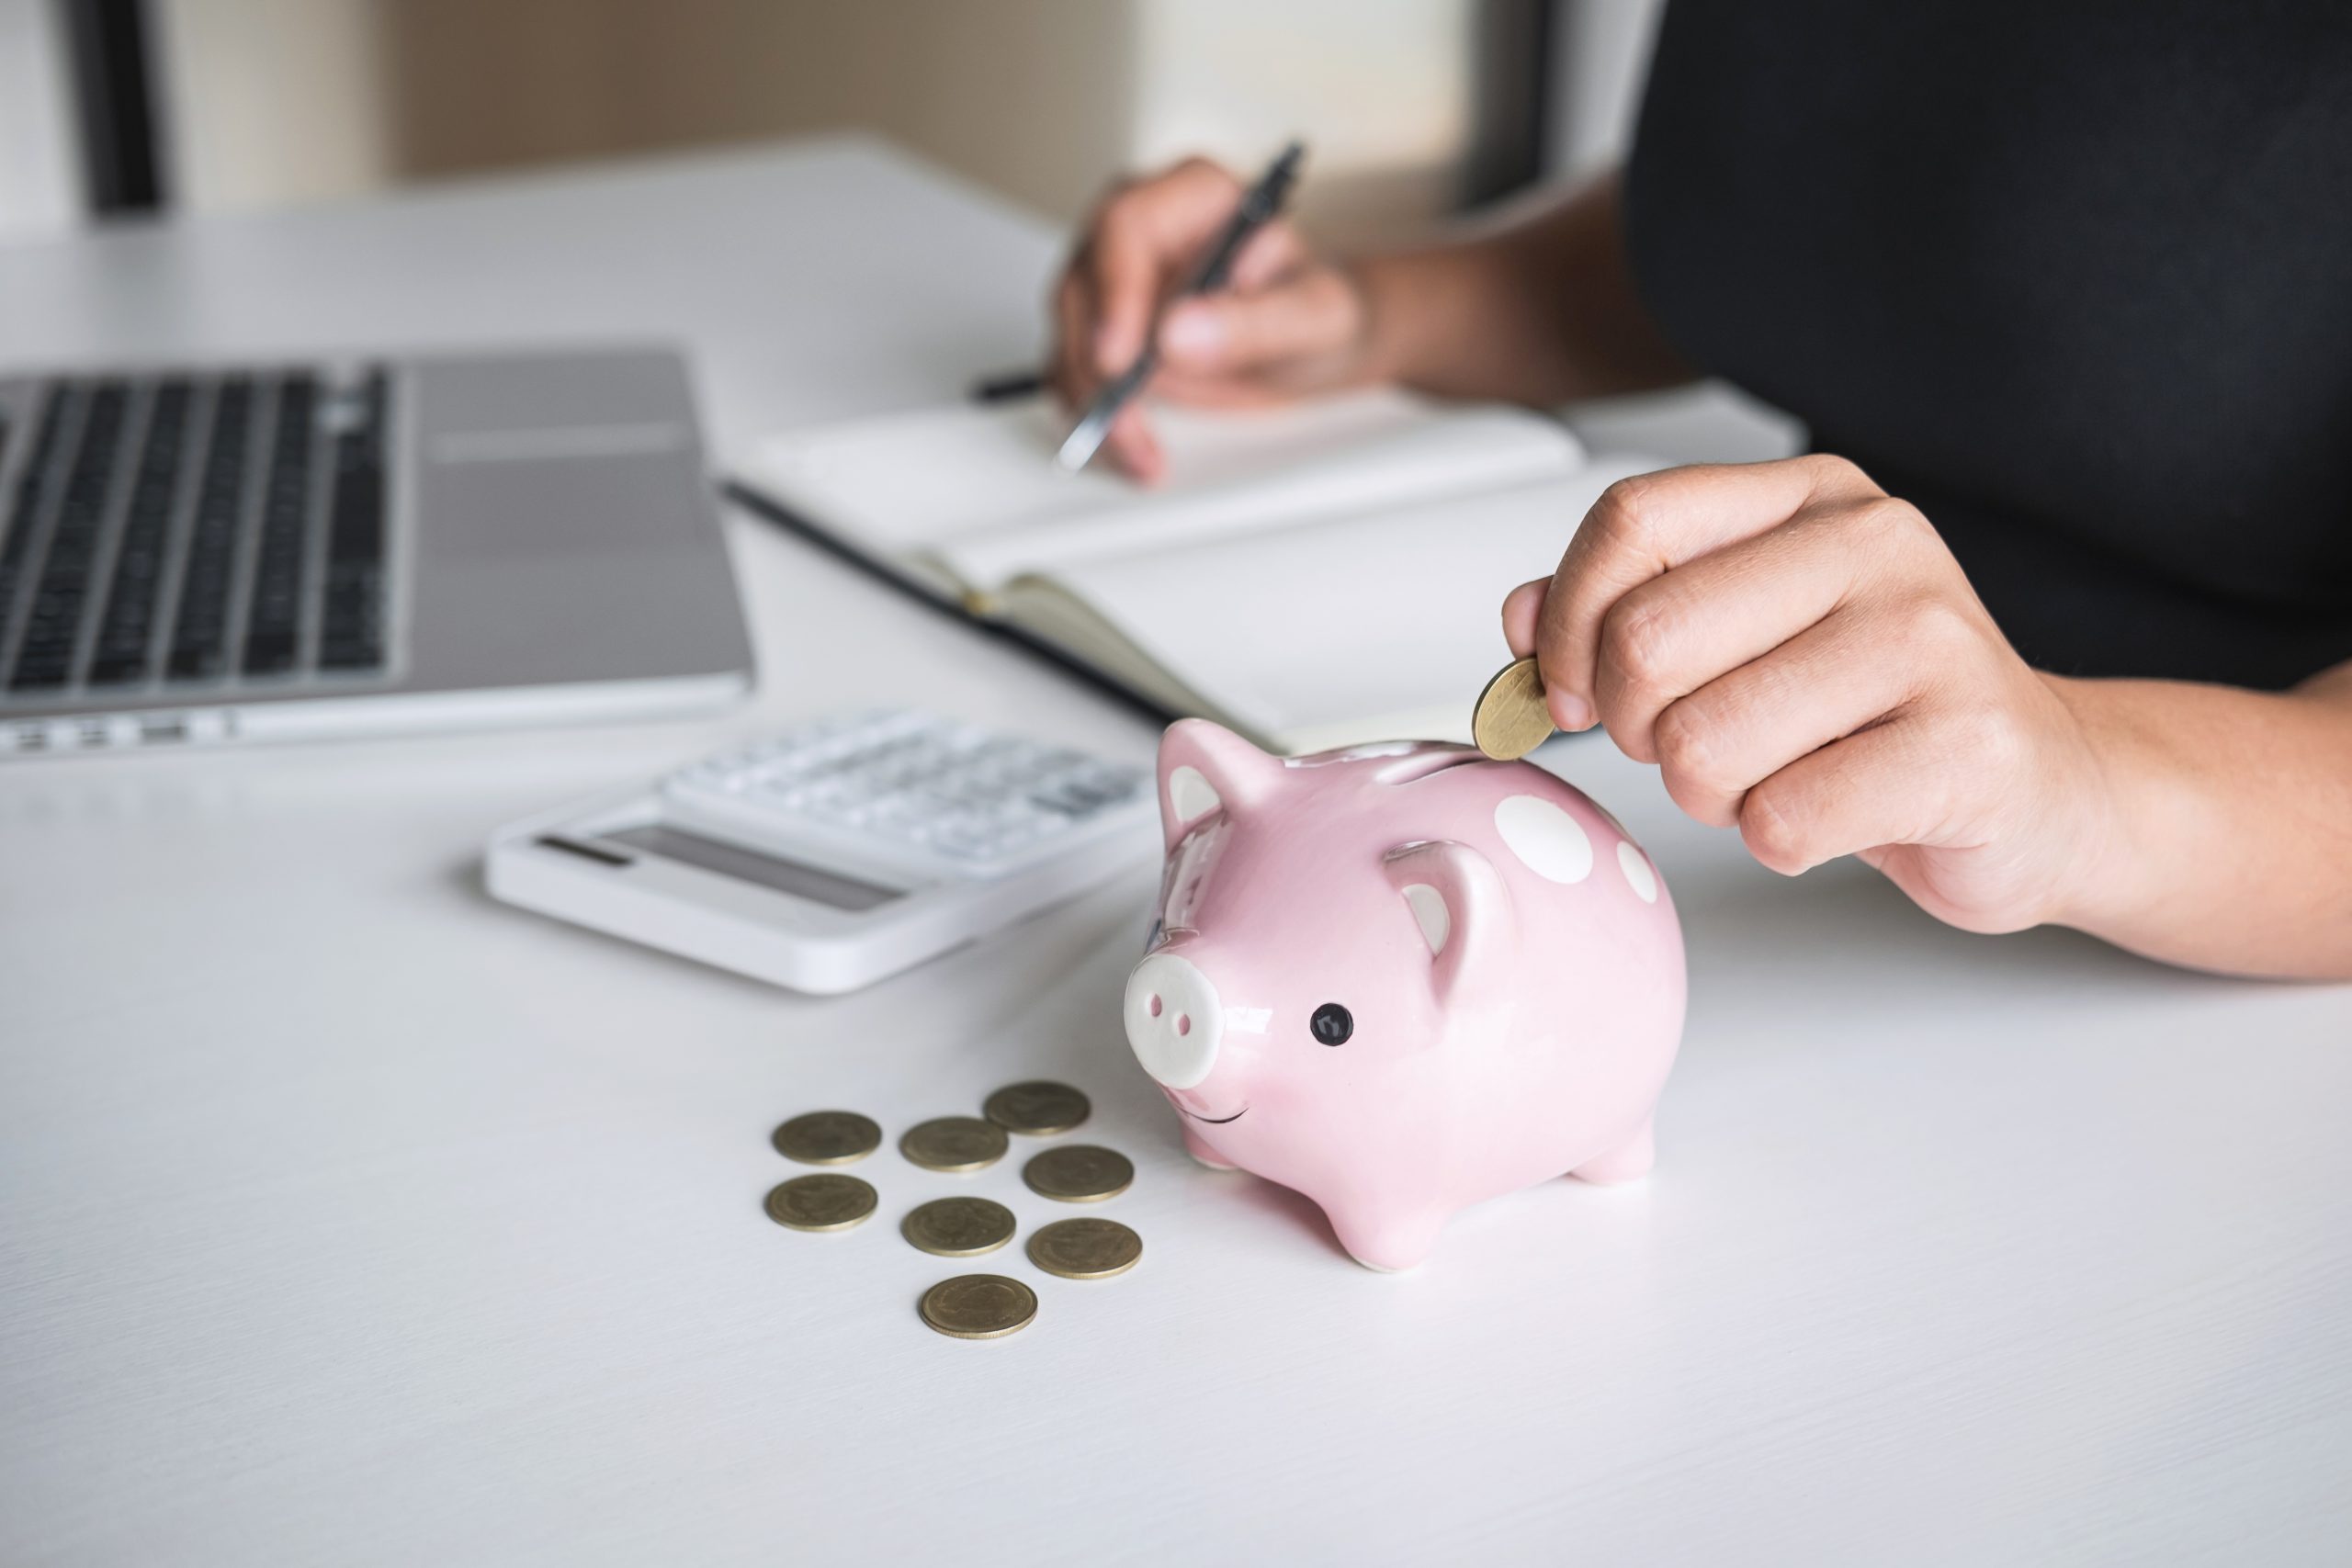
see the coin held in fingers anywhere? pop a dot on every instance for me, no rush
(953, 1143)
(827, 1203)
(1078, 1173)
(957, 1227)
(828, 1138)
(1511, 720)
(979, 1306)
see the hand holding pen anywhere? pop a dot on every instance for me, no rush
(1285, 324)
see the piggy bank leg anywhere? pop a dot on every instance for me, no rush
(1205, 1154)
(1628, 1161)
(1390, 1243)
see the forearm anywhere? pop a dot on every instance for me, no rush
(2225, 837)
(1536, 306)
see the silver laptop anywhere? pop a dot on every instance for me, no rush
(189, 556)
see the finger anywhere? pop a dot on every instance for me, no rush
(1143, 237)
(1313, 313)
(1654, 522)
(1220, 391)
(1673, 634)
(1266, 255)
(1826, 683)
(1890, 783)
(1520, 606)
(1132, 445)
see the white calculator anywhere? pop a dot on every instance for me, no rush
(838, 852)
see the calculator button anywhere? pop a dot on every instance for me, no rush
(918, 793)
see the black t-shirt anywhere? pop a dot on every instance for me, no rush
(2074, 279)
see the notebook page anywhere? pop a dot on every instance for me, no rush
(976, 488)
(1455, 452)
(1372, 628)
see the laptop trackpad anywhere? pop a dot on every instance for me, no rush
(566, 529)
(524, 455)
(501, 494)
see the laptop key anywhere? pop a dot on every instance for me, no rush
(47, 657)
(24, 510)
(352, 633)
(273, 621)
(120, 656)
(199, 631)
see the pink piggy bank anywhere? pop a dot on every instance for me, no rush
(1402, 980)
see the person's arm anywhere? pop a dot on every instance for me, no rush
(1803, 658)
(2228, 823)
(1535, 305)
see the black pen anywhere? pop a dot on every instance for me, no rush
(1007, 386)
(1261, 204)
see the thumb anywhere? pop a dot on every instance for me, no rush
(1521, 607)
(1313, 313)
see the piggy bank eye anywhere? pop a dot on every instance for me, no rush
(1331, 1024)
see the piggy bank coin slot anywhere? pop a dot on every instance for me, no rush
(1377, 748)
(1186, 877)
(1427, 763)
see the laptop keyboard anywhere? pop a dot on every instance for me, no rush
(181, 532)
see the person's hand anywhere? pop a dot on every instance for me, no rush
(1288, 323)
(1803, 658)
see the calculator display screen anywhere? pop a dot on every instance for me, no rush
(827, 888)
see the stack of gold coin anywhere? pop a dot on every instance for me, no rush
(1085, 1249)
(979, 1306)
(957, 1227)
(1078, 1173)
(1511, 719)
(828, 1138)
(827, 1203)
(1039, 1109)
(955, 1144)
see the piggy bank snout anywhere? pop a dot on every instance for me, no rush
(1173, 1019)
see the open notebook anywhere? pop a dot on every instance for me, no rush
(1313, 577)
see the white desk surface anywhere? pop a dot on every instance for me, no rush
(348, 1217)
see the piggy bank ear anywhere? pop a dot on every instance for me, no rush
(1203, 767)
(1463, 911)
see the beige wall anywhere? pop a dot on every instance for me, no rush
(286, 100)
(1380, 88)
(1023, 91)
(40, 189)
(271, 101)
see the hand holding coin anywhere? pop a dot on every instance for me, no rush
(1511, 719)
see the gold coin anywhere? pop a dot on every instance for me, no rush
(827, 1137)
(1085, 1249)
(957, 1227)
(1039, 1109)
(827, 1203)
(1510, 719)
(1078, 1173)
(955, 1144)
(979, 1306)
